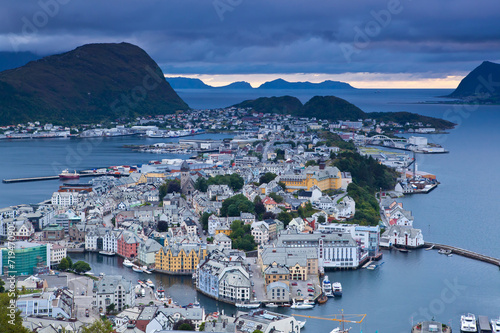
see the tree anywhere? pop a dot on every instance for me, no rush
(284, 217)
(98, 326)
(183, 325)
(70, 262)
(234, 181)
(202, 327)
(110, 308)
(2, 286)
(276, 197)
(204, 220)
(311, 163)
(162, 226)
(113, 221)
(81, 267)
(236, 204)
(169, 186)
(10, 322)
(259, 207)
(64, 264)
(201, 184)
(241, 237)
(257, 331)
(268, 216)
(210, 240)
(282, 185)
(321, 219)
(266, 178)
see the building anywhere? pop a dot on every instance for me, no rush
(368, 238)
(57, 253)
(223, 278)
(52, 232)
(276, 272)
(165, 318)
(402, 236)
(180, 258)
(58, 303)
(148, 250)
(260, 232)
(266, 322)
(190, 226)
(128, 244)
(278, 291)
(325, 178)
(300, 262)
(222, 240)
(187, 184)
(64, 199)
(337, 250)
(102, 239)
(30, 258)
(113, 289)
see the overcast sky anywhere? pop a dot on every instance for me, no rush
(426, 43)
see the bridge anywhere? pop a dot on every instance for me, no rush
(383, 139)
(464, 253)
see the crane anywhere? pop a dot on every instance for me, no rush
(342, 319)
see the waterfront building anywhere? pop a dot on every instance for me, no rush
(265, 321)
(325, 178)
(221, 277)
(65, 199)
(165, 318)
(113, 289)
(278, 291)
(102, 239)
(276, 272)
(333, 250)
(57, 253)
(300, 262)
(147, 251)
(128, 244)
(402, 236)
(58, 303)
(30, 258)
(367, 237)
(181, 258)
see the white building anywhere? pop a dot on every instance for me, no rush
(260, 232)
(112, 289)
(223, 240)
(57, 253)
(64, 199)
(102, 239)
(402, 236)
(365, 236)
(147, 251)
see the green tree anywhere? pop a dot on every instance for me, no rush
(64, 264)
(2, 286)
(311, 163)
(204, 220)
(81, 267)
(284, 217)
(321, 219)
(184, 325)
(276, 197)
(202, 327)
(257, 331)
(236, 204)
(98, 326)
(110, 308)
(266, 178)
(10, 322)
(259, 207)
(70, 262)
(241, 237)
(201, 184)
(169, 186)
(162, 226)
(234, 181)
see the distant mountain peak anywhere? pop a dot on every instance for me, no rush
(481, 85)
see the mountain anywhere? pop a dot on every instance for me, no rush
(93, 83)
(334, 109)
(480, 85)
(282, 105)
(186, 83)
(9, 60)
(283, 84)
(189, 83)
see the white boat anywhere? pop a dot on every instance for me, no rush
(247, 305)
(327, 287)
(107, 253)
(337, 289)
(65, 174)
(127, 263)
(301, 323)
(145, 270)
(150, 284)
(468, 323)
(495, 325)
(443, 251)
(302, 305)
(136, 269)
(371, 267)
(271, 305)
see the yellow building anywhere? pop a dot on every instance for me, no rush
(151, 177)
(223, 230)
(326, 178)
(180, 258)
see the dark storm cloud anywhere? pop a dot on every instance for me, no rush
(272, 36)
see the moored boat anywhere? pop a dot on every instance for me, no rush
(136, 269)
(495, 325)
(271, 305)
(301, 323)
(337, 289)
(468, 323)
(127, 263)
(302, 305)
(247, 305)
(322, 299)
(327, 287)
(107, 253)
(150, 284)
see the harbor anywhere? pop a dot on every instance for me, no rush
(462, 252)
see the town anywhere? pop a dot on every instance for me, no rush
(257, 220)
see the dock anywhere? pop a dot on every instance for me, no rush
(464, 253)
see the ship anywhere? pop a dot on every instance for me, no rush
(302, 305)
(127, 263)
(337, 289)
(65, 174)
(327, 287)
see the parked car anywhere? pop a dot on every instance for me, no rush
(309, 284)
(311, 290)
(294, 283)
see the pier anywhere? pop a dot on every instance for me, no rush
(464, 253)
(36, 179)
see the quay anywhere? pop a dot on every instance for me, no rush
(463, 253)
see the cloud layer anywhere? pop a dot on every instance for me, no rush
(427, 38)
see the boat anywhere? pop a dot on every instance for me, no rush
(371, 267)
(150, 284)
(127, 263)
(468, 323)
(495, 325)
(337, 289)
(65, 174)
(302, 305)
(107, 253)
(136, 269)
(271, 305)
(327, 287)
(443, 251)
(145, 270)
(247, 305)
(322, 299)
(301, 323)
